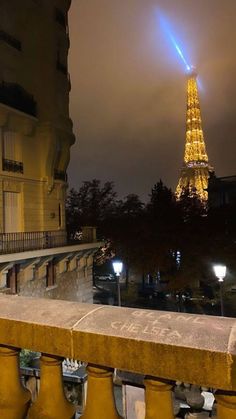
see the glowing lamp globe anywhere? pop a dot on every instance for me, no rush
(117, 266)
(220, 272)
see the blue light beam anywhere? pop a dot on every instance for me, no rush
(167, 30)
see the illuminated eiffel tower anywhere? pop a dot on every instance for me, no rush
(195, 171)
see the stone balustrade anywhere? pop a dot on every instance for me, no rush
(165, 347)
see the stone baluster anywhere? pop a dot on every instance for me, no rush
(226, 405)
(158, 395)
(51, 402)
(100, 403)
(14, 397)
(158, 398)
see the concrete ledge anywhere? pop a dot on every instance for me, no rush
(48, 252)
(192, 348)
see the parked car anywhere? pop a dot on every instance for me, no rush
(105, 277)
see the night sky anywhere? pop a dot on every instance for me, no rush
(128, 95)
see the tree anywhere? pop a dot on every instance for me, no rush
(161, 199)
(123, 227)
(96, 202)
(164, 223)
(149, 237)
(90, 206)
(190, 205)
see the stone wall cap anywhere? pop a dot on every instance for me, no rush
(198, 349)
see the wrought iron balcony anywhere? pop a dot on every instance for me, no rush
(36, 240)
(12, 166)
(33, 240)
(60, 175)
(13, 95)
(162, 346)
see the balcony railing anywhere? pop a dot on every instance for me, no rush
(12, 166)
(88, 234)
(162, 346)
(36, 240)
(13, 95)
(33, 240)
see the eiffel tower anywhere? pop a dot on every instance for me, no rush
(195, 170)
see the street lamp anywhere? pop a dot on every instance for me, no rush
(220, 272)
(118, 266)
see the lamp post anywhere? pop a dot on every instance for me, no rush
(118, 266)
(220, 272)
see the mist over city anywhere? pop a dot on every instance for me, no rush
(128, 98)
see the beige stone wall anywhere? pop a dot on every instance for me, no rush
(44, 142)
(74, 284)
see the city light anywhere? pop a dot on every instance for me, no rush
(220, 272)
(117, 266)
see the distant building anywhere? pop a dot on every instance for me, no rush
(221, 191)
(36, 136)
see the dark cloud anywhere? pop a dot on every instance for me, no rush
(128, 89)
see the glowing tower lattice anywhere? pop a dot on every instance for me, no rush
(195, 171)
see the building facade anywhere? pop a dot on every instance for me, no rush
(35, 127)
(221, 191)
(35, 139)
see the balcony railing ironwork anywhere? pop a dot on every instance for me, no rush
(86, 234)
(162, 346)
(36, 240)
(13, 95)
(12, 166)
(33, 240)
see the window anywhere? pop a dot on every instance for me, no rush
(12, 152)
(50, 274)
(12, 166)
(13, 95)
(11, 212)
(12, 145)
(12, 279)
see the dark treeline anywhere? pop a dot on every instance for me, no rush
(179, 240)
